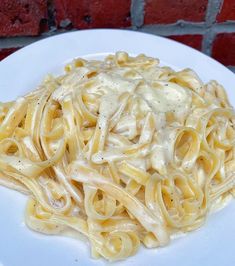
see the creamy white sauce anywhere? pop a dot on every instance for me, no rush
(157, 96)
(162, 151)
(108, 105)
(168, 97)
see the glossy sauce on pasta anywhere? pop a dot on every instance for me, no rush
(122, 151)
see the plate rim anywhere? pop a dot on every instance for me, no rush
(130, 31)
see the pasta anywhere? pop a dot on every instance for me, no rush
(121, 151)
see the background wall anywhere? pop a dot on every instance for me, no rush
(207, 25)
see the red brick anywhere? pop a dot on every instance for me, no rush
(170, 11)
(227, 11)
(22, 17)
(194, 41)
(223, 48)
(93, 13)
(6, 51)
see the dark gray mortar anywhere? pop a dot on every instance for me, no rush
(137, 13)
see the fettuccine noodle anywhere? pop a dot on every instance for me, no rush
(122, 151)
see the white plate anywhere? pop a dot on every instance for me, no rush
(213, 244)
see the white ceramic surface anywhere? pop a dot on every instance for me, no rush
(21, 72)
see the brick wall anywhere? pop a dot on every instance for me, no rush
(207, 25)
